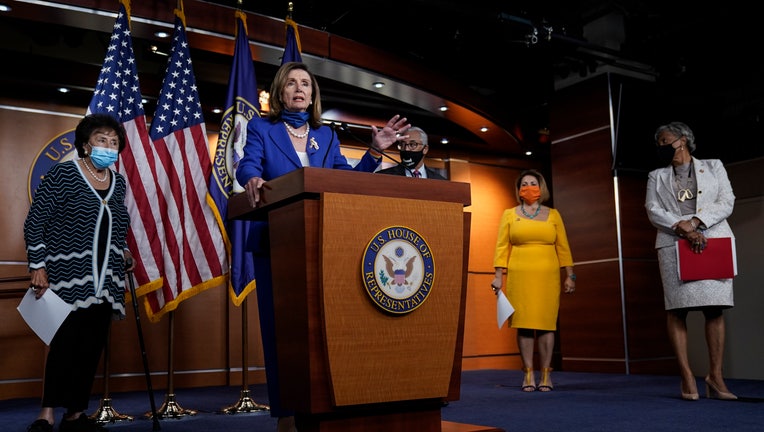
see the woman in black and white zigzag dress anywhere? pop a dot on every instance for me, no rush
(76, 242)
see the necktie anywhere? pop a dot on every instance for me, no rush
(417, 174)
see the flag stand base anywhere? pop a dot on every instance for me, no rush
(245, 404)
(171, 409)
(107, 414)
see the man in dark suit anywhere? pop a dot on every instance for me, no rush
(412, 154)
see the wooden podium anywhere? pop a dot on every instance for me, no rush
(346, 361)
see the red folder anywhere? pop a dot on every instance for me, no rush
(717, 261)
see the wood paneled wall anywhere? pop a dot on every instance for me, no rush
(615, 322)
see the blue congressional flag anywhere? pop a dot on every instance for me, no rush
(292, 49)
(242, 104)
(118, 93)
(194, 250)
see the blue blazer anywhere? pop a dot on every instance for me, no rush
(268, 152)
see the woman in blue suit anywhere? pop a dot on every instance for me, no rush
(292, 137)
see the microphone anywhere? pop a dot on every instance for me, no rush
(344, 128)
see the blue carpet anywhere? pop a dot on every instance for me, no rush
(585, 402)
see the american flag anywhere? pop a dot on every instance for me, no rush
(242, 104)
(194, 250)
(118, 93)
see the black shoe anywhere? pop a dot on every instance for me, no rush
(40, 425)
(81, 424)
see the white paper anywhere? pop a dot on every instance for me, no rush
(503, 308)
(44, 315)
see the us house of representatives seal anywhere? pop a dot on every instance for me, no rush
(398, 269)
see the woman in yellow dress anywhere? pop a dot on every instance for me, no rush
(532, 246)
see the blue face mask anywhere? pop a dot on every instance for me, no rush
(103, 158)
(295, 119)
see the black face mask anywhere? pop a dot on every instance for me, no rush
(411, 159)
(665, 154)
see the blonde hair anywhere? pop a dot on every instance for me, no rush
(278, 84)
(545, 195)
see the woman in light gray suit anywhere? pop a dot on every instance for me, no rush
(690, 200)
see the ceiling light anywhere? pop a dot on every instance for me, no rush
(155, 49)
(378, 84)
(484, 129)
(4, 8)
(63, 90)
(217, 110)
(443, 108)
(162, 34)
(528, 153)
(444, 140)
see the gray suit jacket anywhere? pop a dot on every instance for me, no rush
(714, 203)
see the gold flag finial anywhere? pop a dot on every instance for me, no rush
(290, 9)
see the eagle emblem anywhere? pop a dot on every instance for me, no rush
(398, 269)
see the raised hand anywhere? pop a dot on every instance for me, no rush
(395, 129)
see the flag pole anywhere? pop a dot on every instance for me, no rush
(170, 408)
(244, 88)
(105, 412)
(245, 403)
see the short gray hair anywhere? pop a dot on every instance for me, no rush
(679, 129)
(421, 132)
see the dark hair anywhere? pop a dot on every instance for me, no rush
(278, 84)
(539, 178)
(92, 123)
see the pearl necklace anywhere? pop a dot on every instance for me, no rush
(295, 134)
(105, 175)
(530, 216)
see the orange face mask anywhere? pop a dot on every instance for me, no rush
(530, 194)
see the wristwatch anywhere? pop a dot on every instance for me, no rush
(572, 277)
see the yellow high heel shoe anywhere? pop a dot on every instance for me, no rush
(713, 392)
(529, 382)
(546, 380)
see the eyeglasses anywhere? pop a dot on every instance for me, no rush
(411, 145)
